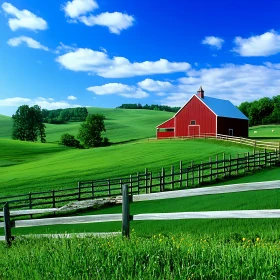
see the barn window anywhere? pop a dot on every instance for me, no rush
(166, 129)
(193, 122)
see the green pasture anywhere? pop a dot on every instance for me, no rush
(26, 166)
(264, 133)
(5, 127)
(121, 125)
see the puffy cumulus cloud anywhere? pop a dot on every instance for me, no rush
(116, 22)
(75, 8)
(213, 42)
(236, 83)
(44, 103)
(31, 43)
(101, 64)
(263, 45)
(156, 86)
(119, 89)
(71, 97)
(23, 19)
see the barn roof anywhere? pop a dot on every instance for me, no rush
(223, 108)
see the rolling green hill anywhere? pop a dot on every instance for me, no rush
(5, 127)
(37, 167)
(121, 125)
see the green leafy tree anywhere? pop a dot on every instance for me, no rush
(28, 124)
(70, 141)
(91, 130)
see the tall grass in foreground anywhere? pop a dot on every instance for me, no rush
(158, 257)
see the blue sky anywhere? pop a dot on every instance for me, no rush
(102, 53)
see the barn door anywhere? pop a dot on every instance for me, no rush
(193, 130)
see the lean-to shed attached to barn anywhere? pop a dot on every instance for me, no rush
(205, 115)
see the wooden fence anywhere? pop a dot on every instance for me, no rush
(238, 140)
(195, 174)
(125, 217)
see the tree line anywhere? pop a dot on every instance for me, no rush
(263, 111)
(28, 125)
(150, 107)
(60, 116)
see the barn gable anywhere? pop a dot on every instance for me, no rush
(202, 115)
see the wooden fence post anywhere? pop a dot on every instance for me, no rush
(109, 187)
(224, 164)
(7, 224)
(279, 152)
(125, 212)
(53, 198)
(79, 191)
(237, 162)
(162, 179)
(130, 182)
(181, 170)
(192, 173)
(30, 202)
(172, 176)
(92, 189)
(151, 181)
(217, 166)
(229, 165)
(138, 183)
(265, 159)
(201, 172)
(198, 177)
(248, 162)
(210, 165)
(146, 179)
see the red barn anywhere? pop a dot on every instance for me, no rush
(205, 115)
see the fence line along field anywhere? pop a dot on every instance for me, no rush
(64, 168)
(149, 182)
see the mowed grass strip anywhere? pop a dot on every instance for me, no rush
(161, 257)
(64, 169)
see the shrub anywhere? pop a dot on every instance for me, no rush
(70, 141)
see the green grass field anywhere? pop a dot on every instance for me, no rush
(264, 132)
(38, 167)
(121, 125)
(159, 257)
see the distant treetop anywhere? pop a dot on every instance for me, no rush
(150, 107)
(59, 116)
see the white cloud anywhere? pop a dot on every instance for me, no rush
(75, 8)
(116, 22)
(152, 85)
(101, 64)
(119, 89)
(263, 45)
(44, 103)
(213, 42)
(71, 97)
(23, 19)
(236, 83)
(31, 43)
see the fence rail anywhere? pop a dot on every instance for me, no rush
(195, 174)
(125, 217)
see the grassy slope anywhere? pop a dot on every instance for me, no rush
(121, 125)
(264, 132)
(66, 168)
(5, 127)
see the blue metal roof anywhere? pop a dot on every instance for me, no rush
(223, 108)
